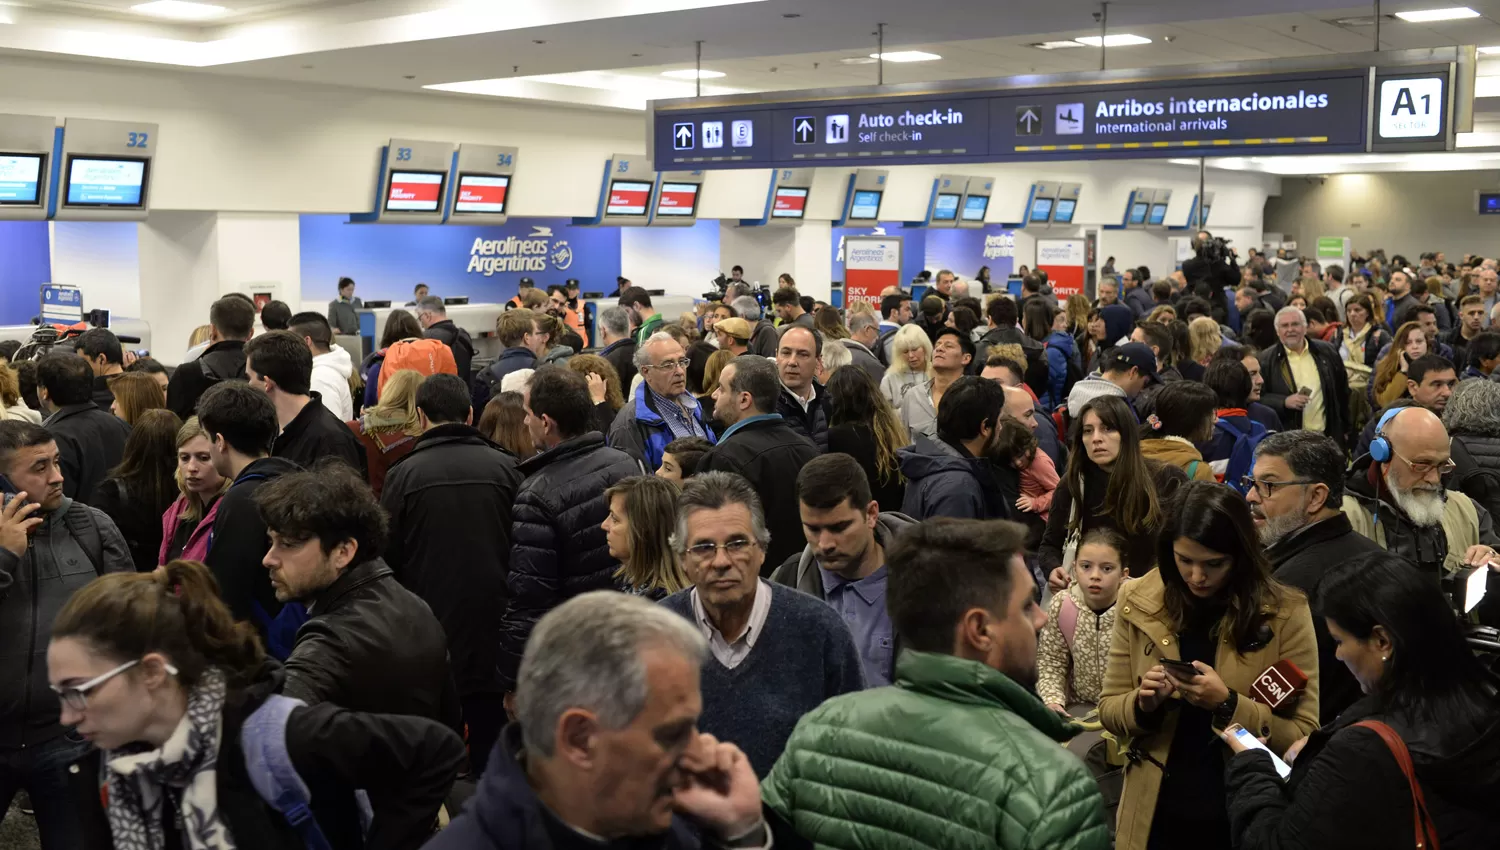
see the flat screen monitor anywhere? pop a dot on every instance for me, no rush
(1158, 214)
(1063, 214)
(628, 197)
(20, 178)
(865, 206)
(678, 199)
(1489, 204)
(482, 193)
(1138, 212)
(945, 207)
(790, 202)
(415, 191)
(975, 207)
(106, 182)
(1041, 210)
(1209, 208)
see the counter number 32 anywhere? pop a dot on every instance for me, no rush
(138, 140)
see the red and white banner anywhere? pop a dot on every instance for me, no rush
(677, 199)
(628, 198)
(481, 194)
(871, 263)
(415, 192)
(790, 203)
(1062, 260)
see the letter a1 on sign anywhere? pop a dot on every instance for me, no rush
(1411, 109)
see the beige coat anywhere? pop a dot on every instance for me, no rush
(1142, 635)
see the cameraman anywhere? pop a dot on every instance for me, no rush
(1211, 271)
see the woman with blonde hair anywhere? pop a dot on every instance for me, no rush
(1442, 308)
(1312, 287)
(911, 363)
(604, 387)
(1165, 313)
(638, 530)
(711, 371)
(1206, 339)
(389, 430)
(830, 324)
(189, 522)
(1390, 372)
(10, 397)
(504, 424)
(135, 393)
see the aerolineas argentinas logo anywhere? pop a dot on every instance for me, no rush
(516, 254)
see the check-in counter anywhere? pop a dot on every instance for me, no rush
(121, 325)
(478, 319)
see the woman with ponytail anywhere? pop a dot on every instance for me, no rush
(153, 669)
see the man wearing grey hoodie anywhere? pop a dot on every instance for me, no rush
(844, 561)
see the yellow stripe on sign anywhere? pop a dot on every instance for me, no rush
(1131, 145)
(1191, 144)
(1223, 142)
(1075, 147)
(1161, 144)
(1103, 146)
(1317, 139)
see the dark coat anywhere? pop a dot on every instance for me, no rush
(765, 339)
(621, 355)
(1346, 791)
(315, 434)
(858, 441)
(1141, 556)
(812, 422)
(405, 764)
(104, 398)
(865, 359)
(370, 644)
(559, 549)
(222, 361)
(768, 454)
(1139, 300)
(1477, 474)
(458, 341)
(91, 443)
(640, 430)
(136, 517)
(487, 382)
(505, 813)
(943, 480)
(1331, 374)
(1038, 375)
(1300, 559)
(450, 504)
(239, 541)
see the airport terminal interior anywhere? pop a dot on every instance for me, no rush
(157, 155)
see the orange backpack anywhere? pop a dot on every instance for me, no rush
(428, 356)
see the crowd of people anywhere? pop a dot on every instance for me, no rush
(773, 574)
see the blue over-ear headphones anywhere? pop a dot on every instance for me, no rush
(1380, 447)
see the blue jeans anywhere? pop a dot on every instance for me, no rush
(43, 771)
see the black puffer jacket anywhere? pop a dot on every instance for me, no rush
(370, 644)
(223, 361)
(559, 549)
(1346, 791)
(812, 421)
(450, 503)
(91, 443)
(1477, 470)
(1037, 374)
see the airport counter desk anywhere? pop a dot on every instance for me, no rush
(121, 325)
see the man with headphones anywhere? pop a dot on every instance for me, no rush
(1395, 496)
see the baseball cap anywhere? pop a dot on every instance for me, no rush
(1135, 354)
(737, 328)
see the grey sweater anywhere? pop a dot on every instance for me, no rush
(804, 655)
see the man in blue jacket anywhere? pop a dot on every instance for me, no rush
(662, 409)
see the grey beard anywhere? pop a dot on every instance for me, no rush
(1423, 508)
(1277, 528)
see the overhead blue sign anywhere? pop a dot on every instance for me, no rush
(1309, 112)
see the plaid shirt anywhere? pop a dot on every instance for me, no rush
(680, 414)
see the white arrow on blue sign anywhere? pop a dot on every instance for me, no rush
(682, 137)
(802, 130)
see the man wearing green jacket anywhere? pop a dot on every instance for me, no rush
(958, 752)
(647, 319)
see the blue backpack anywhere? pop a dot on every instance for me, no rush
(275, 778)
(1242, 456)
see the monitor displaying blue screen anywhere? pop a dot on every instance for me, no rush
(1208, 208)
(945, 208)
(20, 177)
(1064, 212)
(1158, 214)
(975, 207)
(1041, 209)
(866, 206)
(101, 182)
(1489, 203)
(1138, 212)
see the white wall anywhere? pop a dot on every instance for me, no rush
(681, 260)
(102, 259)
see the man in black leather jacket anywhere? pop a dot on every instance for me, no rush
(232, 321)
(369, 644)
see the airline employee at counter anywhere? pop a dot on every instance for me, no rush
(524, 286)
(343, 311)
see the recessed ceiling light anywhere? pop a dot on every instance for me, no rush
(1123, 39)
(1055, 45)
(180, 10)
(1489, 51)
(858, 60)
(1427, 16)
(691, 74)
(906, 56)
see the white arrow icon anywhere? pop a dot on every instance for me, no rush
(684, 134)
(1030, 119)
(802, 131)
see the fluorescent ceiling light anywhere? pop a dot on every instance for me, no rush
(1488, 51)
(906, 56)
(692, 74)
(1123, 39)
(180, 10)
(624, 91)
(1056, 45)
(1428, 16)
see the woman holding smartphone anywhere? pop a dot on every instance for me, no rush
(1211, 604)
(1397, 635)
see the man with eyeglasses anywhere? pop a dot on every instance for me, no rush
(1396, 497)
(1430, 380)
(662, 410)
(50, 546)
(775, 653)
(1296, 495)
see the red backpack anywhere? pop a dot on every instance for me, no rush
(428, 356)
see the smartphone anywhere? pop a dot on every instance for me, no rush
(1307, 391)
(8, 489)
(1246, 741)
(1179, 669)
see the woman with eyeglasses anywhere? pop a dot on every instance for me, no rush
(1399, 637)
(153, 669)
(1191, 639)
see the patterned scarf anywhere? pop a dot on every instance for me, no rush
(139, 781)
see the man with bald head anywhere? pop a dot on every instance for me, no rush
(1401, 481)
(1305, 382)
